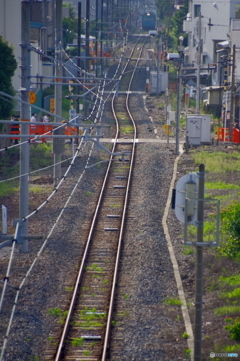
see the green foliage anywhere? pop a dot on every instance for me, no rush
(173, 302)
(232, 348)
(187, 250)
(177, 21)
(94, 267)
(233, 294)
(78, 341)
(69, 25)
(188, 353)
(8, 65)
(221, 185)
(227, 310)
(40, 156)
(209, 231)
(234, 329)
(230, 230)
(7, 188)
(164, 8)
(232, 280)
(69, 30)
(218, 162)
(185, 335)
(54, 312)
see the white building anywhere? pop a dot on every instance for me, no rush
(215, 24)
(10, 30)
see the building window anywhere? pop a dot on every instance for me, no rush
(237, 12)
(197, 10)
(204, 59)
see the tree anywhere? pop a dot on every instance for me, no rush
(8, 65)
(165, 8)
(177, 20)
(69, 24)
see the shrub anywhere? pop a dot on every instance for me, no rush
(234, 329)
(230, 230)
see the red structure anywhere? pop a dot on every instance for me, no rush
(223, 135)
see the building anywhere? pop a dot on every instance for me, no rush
(213, 28)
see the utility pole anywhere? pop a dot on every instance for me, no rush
(96, 42)
(199, 267)
(79, 50)
(179, 94)
(58, 144)
(44, 32)
(199, 60)
(232, 109)
(87, 34)
(158, 62)
(53, 24)
(25, 115)
(86, 67)
(101, 39)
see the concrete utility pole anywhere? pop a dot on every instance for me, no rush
(25, 115)
(232, 109)
(96, 36)
(101, 39)
(58, 144)
(79, 50)
(199, 61)
(179, 94)
(53, 23)
(199, 267)
(158, 61)
(87, 35)
(44, 34)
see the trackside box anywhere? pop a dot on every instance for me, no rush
(162, 82)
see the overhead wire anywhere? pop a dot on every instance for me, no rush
(99, 114)
(42, 247)
(37, 257)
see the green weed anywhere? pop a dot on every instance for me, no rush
(227, 310)
(69, 289)
(230, 231)
(188, 250)
(221, 185)
(54, 312)
(233, 280)
(233, 294)
(8, 188)
(173, 302)
(188, 353)
(234, 329)
(218, 162)
(78, 341)
(232, 348)
(94, 267)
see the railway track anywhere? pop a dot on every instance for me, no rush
(87, 327)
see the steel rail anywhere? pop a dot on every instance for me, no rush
(88, 242)
(115, 275)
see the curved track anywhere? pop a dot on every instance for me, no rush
(88, 323)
